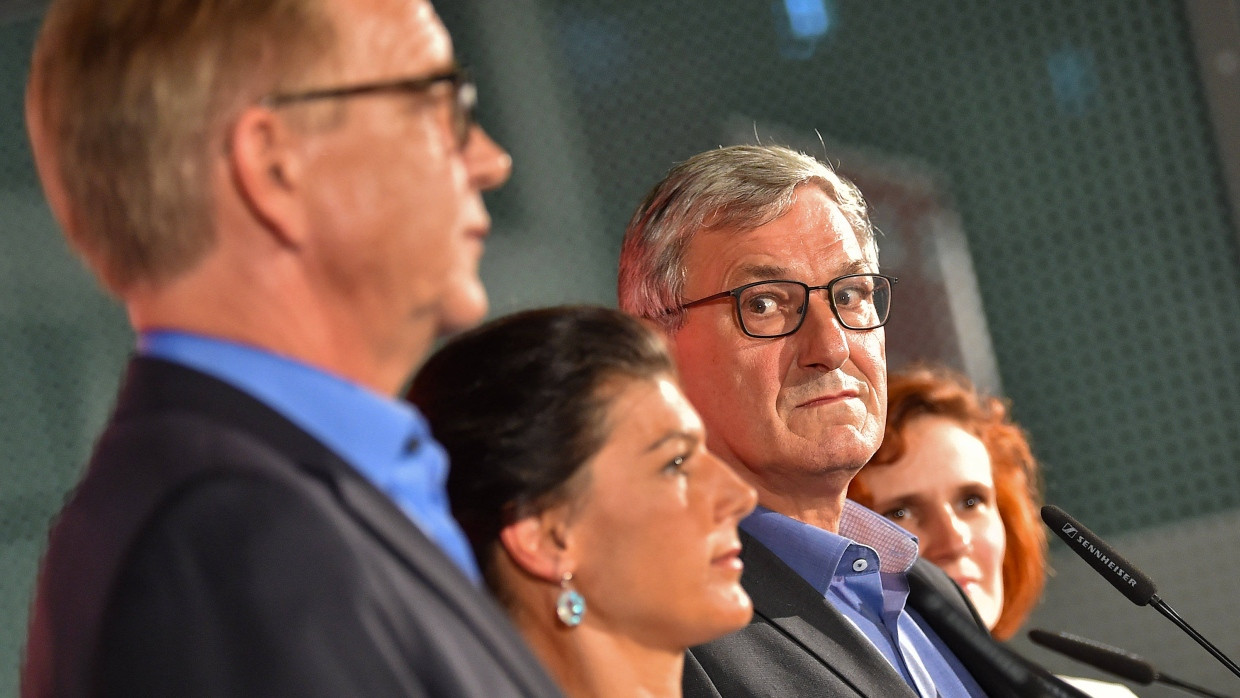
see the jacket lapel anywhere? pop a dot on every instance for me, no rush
(378, 514)
(155, 385)
(789, 603)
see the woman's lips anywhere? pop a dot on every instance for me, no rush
(729, 558)
(964, 582)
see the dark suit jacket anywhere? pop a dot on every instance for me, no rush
(798, 644)
(215, 549)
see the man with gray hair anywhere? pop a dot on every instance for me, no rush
(760, 265)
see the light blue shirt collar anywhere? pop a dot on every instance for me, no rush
(815, 553)
(386, 440)
(861, 572)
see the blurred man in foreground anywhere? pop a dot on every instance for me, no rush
(286, 197)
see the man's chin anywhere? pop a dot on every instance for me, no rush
(841, 454)
(841, 438)
(464, 307)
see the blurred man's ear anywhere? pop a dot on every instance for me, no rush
(267, 171)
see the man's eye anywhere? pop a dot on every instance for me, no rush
(851, 296)
(761, 305)
(972, 501)
(897, 514)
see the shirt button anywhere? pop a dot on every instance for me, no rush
(413, 444)
(860, 565)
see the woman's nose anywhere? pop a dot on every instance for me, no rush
(950, 536)
(735, 498)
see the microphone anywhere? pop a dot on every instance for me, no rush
(998, 670)
(1102, 557)
(1130, 581)
(1125, 665)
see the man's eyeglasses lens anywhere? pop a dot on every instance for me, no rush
(777, 308)
(464, 96)
(463, 108)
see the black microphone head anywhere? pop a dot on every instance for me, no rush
(1130, 581)
(1110, 659)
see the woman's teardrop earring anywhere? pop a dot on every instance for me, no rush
(569, 605)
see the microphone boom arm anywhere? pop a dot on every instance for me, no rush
(1174, 617)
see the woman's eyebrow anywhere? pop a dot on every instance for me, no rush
(675, 435)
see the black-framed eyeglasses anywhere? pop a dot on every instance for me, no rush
(769, 309)
(464, 102)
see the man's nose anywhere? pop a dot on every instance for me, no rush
(823, 340)
(488, 164)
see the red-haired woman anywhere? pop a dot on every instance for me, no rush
(957, 473)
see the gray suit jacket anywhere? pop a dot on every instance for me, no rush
(215, 549)
(798, 644)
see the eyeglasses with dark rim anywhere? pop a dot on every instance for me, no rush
(465, 96)
(770, 309)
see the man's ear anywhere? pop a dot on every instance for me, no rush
(266, 168)
(538, 545)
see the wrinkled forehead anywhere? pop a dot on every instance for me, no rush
(798, 231)
(740, 217)
(855, 215)
(389, 38)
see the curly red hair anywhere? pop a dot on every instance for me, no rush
(945, 393)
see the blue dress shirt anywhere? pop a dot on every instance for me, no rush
(862, 573)
(386, 440)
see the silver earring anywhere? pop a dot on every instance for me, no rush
(569, 605)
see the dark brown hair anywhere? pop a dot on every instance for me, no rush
(521, 405)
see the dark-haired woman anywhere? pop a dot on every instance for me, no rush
(581, 476)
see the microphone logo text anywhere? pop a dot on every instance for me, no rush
(1098, 554)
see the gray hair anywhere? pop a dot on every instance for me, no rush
(740, 187)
